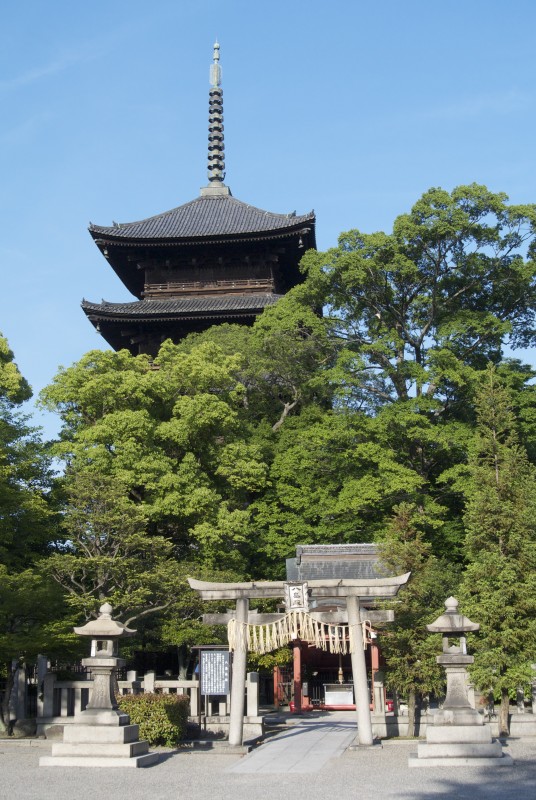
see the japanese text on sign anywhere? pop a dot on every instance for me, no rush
(214, 672)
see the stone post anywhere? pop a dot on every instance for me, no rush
(379, 692)
(359, 672)
(240, 655)
(252, 694)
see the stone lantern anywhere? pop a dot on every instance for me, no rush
(104, 662)
(456, 709)
(101, 736)
(458, 736)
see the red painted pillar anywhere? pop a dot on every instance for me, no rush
(277, 690)
(297, 676)
(374, 667)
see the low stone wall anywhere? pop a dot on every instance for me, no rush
(386, 726)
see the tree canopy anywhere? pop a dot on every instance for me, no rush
(345, 414)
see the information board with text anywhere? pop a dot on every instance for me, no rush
(214, 672)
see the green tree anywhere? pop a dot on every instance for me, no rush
(106, 555)
(329, 482)
(441, 293)
(32, 621)
(410, 651)
(192, 434)
(172, 435)
(416, 314)
(499, 585)
(29, 606)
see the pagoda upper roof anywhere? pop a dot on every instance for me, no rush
(206, 217)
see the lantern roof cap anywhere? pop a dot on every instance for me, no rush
(104, 626)
(451, 621)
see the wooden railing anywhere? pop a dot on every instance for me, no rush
(208, 287)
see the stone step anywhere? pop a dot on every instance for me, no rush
(471, 734)
(106, 750)
(459, 750)
(504, 761)
(99, 761)
(75, 734)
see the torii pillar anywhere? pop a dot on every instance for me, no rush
(240, 657)
(359, 673)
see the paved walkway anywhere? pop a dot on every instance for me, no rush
(303, 747)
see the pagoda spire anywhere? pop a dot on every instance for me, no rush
(216, 147)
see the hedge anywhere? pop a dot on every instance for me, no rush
(162, 717)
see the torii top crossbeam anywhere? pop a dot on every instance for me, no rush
(370, 587)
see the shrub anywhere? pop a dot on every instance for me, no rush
(162, 717)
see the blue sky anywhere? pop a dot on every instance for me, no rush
(351, 108)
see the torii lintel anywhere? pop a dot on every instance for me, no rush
(370, 587)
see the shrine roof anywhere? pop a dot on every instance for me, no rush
(345, 561)
(204, 217)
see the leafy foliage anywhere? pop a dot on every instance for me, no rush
(30, 605)
(410, 651)
(107, 556)
(499, 584)
(162, 717)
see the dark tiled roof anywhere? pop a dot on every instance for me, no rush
(204, 216)
(320, 562)
(336, 550)
(176, 307)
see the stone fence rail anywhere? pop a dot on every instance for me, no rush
(61, 700)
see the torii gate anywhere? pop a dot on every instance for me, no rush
(356, 592)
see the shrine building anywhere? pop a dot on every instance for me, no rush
(319, 678)
(215, 259)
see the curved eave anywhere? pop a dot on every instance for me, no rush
(105, 237)
(116, 322)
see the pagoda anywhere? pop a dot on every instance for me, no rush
(209, 261)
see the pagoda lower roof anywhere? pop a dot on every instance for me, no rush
(205, 217)
(173, 308)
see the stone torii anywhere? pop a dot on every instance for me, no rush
(356, 592)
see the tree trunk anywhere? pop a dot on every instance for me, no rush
(183, 659)
(504, 714)
(411, 712)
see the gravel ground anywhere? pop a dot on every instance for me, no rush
(367, 774)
